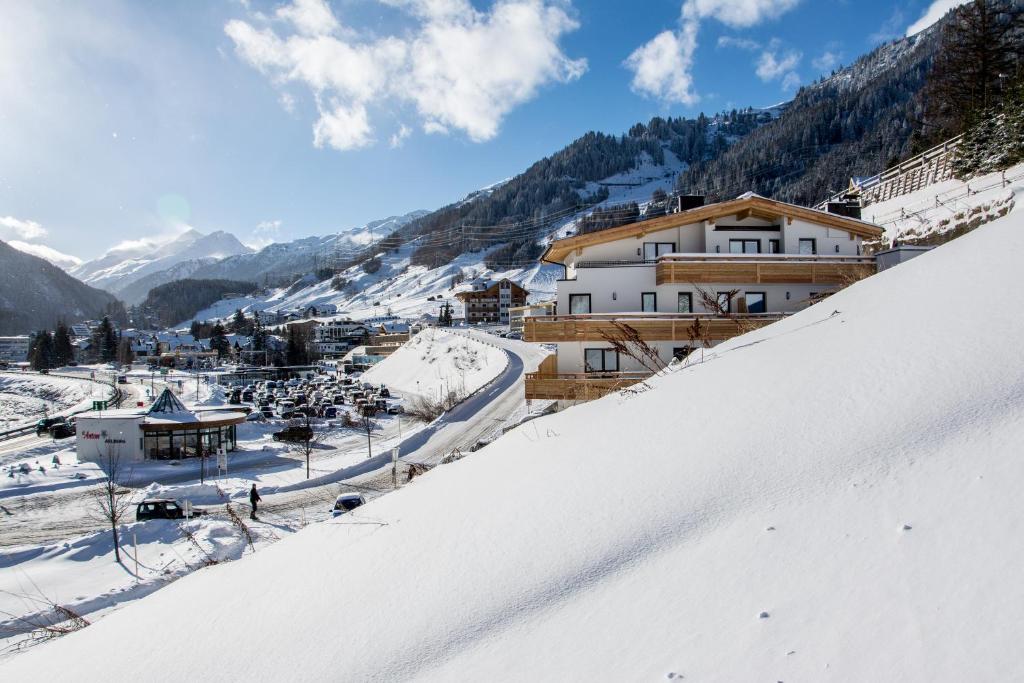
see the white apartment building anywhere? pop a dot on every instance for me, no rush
(14, 349)
(335, 338)
(684, 280)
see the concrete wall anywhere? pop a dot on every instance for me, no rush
(95, 435)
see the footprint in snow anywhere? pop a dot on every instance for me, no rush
(907, 527)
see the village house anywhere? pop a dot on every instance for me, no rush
(489, 302)
(636, 296)
(335, 338)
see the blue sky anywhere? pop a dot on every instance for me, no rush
(124, 121)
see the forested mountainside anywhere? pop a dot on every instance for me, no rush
(856, 122)
(35, 294)
(512, 213)
(171, 303)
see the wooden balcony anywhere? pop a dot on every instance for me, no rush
(650, 326)
(578, 387)
(767, 269)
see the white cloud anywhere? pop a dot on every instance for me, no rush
(827, 61)
(771, 66)
(460, 68)
(890, 28)
(310, 17)
(662, 67)
(265, 233)
(935, 11)
(11, 227)
(57, 258)
(738, 43)
(399, 137)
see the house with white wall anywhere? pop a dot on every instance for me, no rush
(634, 297)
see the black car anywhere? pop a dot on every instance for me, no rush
(43, 426)
(161, 508)
(62, 430)
(294, 433)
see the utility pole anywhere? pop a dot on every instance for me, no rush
(395, 453)
(369, 444)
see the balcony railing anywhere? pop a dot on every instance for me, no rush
(649, 326)
(763, 269)
(578, 386)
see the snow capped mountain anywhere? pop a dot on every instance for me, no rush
(57, 258)
(830, 497)
(131, 261)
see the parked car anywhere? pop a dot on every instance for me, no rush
(395, 409)
(122, 379)
(162, 508)
(43, 426)
(255, 416)
(329, 412)
(268, 412)
(294, 433)
(384, 392)
(347, 502)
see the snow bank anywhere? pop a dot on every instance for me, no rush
(23, 397)
(437, 361)
(832, 497)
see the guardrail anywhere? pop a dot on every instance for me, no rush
(116, 397)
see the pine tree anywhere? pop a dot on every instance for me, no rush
(41, 352)
(104, 341)
(125, 354)
(219, 341)
(63, 351)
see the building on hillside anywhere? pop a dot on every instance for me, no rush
(14, 349)
(518, 314)
(335, 338)
(167, 429)
(488, 302)
(636, 296)
(898, 254)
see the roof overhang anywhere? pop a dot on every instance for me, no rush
(748, 206)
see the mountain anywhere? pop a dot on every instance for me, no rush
(285, 262)
(125, 264)
(828, 498)
(57, 258)
(35, 294)
(173, 302)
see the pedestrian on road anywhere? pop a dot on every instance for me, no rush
(254, 497)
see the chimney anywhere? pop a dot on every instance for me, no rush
(689, 201)
(848, 209)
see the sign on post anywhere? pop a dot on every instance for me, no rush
(222, 461)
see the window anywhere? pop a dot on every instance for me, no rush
(652, 250)
(774, 247)
(724, 302)
(579, 303)
(681, 352)
(601, 360)
(649, 302)
(744, 246)
(685, 302)
(756, 302)
(808, 246)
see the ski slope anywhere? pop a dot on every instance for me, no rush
(834, 497)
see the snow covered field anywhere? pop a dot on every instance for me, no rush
(438, 361)
(24, 396)
(832, 497)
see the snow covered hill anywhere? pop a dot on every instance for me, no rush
(832, 497)
(438, 362)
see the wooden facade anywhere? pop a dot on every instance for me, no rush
(579, 386)
(787, 270)
(651, 327)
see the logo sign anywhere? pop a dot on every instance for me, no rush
(90, 435)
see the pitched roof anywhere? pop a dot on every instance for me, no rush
(748, 203)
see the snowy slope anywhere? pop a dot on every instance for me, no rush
(438, 361)
(832, 497)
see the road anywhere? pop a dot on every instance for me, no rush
(58, 515)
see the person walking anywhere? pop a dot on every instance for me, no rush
(254, 497)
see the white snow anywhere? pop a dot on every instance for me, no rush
(438, 361)
(948, 205)
(23, 396)
(832, 497)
